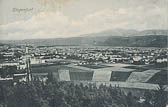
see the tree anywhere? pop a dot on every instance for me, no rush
(130, 100)
(160, 97)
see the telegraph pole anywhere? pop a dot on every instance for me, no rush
(28, 69)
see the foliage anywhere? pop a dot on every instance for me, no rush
(68, 94)
(8, 71)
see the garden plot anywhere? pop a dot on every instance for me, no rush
(119, 76)
(119, 69)
(140, 77)
(115, 69)
(64, 75)
(100, 75)
(81, 76)
(152, 71)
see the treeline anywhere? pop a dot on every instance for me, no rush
(65, 94)
(8, 71)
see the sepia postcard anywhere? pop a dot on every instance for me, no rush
(83, 53)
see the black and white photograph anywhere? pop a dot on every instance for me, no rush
(83, 53)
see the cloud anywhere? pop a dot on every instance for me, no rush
(56, 24)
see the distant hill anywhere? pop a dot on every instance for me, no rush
(137, 41)
(125, 33)
(117, 37)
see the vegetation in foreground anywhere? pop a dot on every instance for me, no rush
(64, 94)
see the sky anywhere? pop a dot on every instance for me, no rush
(32, 19)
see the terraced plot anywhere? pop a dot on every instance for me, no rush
(115, 69)
(118, 69)
(140, 77)
(152, 71)
(119, 76)
(100, 75)
(159, 78)
(81, 76)
(137, 68)
(77, 68)
(64, 75)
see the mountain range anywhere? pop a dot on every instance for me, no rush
(117, 37)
